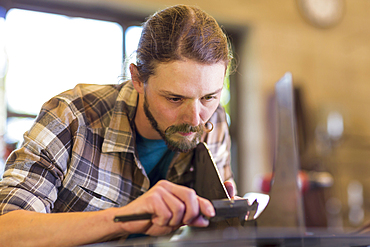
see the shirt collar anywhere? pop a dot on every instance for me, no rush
(119, 134)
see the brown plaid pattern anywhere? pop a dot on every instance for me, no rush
(80, 154)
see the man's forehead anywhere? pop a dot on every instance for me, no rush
(179, 76)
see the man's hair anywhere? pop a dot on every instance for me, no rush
(177, 33)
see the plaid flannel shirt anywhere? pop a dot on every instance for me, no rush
(79, 155)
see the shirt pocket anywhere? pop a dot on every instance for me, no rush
(93, 200)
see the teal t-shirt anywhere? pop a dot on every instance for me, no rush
(155, 157)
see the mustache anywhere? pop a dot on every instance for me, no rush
(185, 128)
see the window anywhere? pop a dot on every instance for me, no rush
(132, 36)
(48, 54)
(45, 54)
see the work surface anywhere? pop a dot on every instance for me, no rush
(251, 236)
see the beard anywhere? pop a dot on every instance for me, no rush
(174, 141)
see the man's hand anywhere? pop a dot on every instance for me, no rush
(171, 206)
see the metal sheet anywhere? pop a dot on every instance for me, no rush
(285, 208)
(208, 182)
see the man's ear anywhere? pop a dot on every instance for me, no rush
(138, 84)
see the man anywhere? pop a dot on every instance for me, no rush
(99, 151)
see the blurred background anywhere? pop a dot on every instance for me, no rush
(48, 46)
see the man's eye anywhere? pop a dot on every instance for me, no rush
(209, 97)
(175, 100)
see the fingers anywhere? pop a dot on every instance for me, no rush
(230, 188)
(184, 204)
(207, 209)
(174, 211)
(171, 206)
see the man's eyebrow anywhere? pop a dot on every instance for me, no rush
(215, 92)
(169, 93)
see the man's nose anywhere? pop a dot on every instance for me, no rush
(191, 114)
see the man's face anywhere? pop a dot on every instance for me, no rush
(180, 98)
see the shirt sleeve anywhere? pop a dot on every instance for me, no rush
(34, 172)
